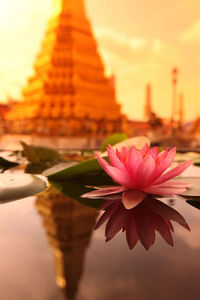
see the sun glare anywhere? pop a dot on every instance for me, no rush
(6, 13)
(56, 7)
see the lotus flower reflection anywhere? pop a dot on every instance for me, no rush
(140, 222)
(140, 173)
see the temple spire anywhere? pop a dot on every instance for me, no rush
(181, 109)
(72, 7)
(148, 107)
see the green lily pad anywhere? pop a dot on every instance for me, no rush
(192, 195)
(75, 187)
(36, 168)
(39, 154)
(16, 186)
(113, 139)
(88, 166)
(6, 164)
(194, 191)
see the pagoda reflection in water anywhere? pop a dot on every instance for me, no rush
(68, 94)
(69, 226)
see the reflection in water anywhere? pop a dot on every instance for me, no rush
(140, 222)
(69, 226)
(171, 202)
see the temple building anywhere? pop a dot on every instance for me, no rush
(4, 109)
(69, 94)
(195, 128)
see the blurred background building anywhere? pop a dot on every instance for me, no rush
(69, 95)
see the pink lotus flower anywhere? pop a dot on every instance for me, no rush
(140, 222)
(140, 173)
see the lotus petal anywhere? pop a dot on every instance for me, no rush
(161, 226)
(144, 150)
(166, 211)
(164, 191)
(131, 233)
(114, 159)
(173, 173)
(107, 214)
(153, 152)
(145, 171)
(134, 159)
(164, 164)
(104, 192)
(115, 223)
(120, 176)
(144, 228)
(132, 198)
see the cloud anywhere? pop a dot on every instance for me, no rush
(192, 34)
(136, 61)
(134, 43)
(119, 49)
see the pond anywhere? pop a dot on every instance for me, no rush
(50, 250)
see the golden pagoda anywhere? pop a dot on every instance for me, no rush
(69, 226)
(69, 93)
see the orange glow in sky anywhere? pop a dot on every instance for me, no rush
(140, 42)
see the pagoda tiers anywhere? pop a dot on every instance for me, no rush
(68, 94)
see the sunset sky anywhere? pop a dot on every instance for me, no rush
(140, 42)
